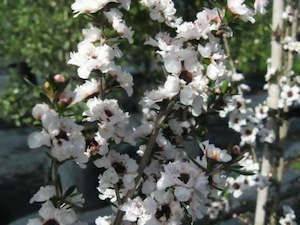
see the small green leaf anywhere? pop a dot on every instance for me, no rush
(224, 86)
(70, 190)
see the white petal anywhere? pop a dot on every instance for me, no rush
(38, 139)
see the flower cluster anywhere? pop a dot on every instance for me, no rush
(94, 54)
(118, 177)
(290, 92)
(61, 134)
(53, 211)
(239, 8)
(290, 45)
(92, 6)
(242, 183)
(160, 181)
(249, 122)
(289, 216)
(114, 16)
(112, 121)
(162, 11)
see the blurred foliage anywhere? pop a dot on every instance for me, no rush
(250, 56)
(17, 100)
(37, 36)
(40, 33)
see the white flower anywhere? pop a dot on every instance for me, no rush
(239, 7)
(180, 174)
(234, 102)
(188, 30)
(186, 178)
(249, 163)
(215, 70)
(237, 77)
(171, 87)
(168, 91)
(141, 150)
(260, 6)
(76, 198)
(103, 220)
(64, 137)
(236, 185)
(289, 216)
(152, 172)
(92, 34)
(242, 183)
(289, 95)
(259, 181)
(214, 152)
(121, 170)
(114, 17)
(162, 209)
(207, 20)
(113, 122)
(51, 215)
(106, 110)
(133, 209)
(39, 109)
(212, 49)
(168, 150)
(124, 78)
(290, 44)
(89, 6)
(288, 14)
(176, 59)
(38, 139)
(86, 90)
(248, 134)
(236, 120)
(177, 126)
(162, 11)
(261, 111)
(102, 144)
(44, 194)
(90, 57)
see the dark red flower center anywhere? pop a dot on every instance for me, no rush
(236, 186)
(290, 94)
(62, 135)
(163, 211)
(248, 132)
(186, 76)
(108, 113)
(184, 177)
(119, 167)
(51, 222)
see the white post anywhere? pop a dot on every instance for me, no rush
(273, 97)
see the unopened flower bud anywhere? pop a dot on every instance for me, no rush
(218, 90)
(59, 78)
(235, 150)
(65, 98)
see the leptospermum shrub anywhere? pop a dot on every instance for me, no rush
(162, 181)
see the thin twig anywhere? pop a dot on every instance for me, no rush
(101, 94)
(228, 53)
